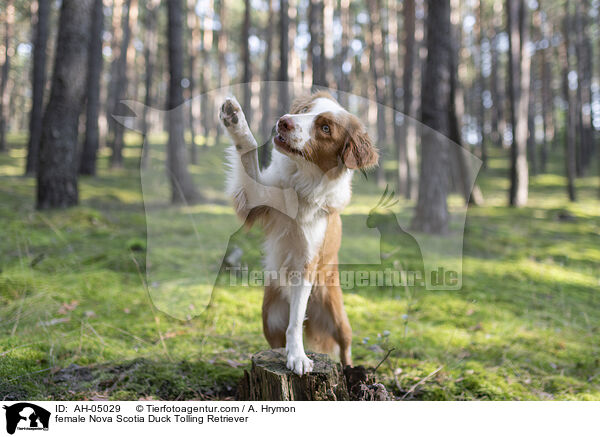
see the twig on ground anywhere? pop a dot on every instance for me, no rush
(384, 358)
(422, 381)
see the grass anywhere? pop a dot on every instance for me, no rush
(77, 321)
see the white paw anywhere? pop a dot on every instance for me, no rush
(230, 113)
(299, 363)
(232, 117)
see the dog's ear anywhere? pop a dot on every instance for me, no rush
(359, 152)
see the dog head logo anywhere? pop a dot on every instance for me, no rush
(26, 416)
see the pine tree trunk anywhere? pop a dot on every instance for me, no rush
(315, 45)
(481, 87)
(182, 186)
(410, 101)
(150, 45)
(87, 164)
(9, 21)
(193, 48)
(519, 78)
(458, 157)
(282, 77)
(344, 84)
(571, 124)
(38, 86)
(265, 98)
(583, 89)
(57, 173)
(116, 159)
(377, 69)
(431, 213)
(547, 97)
(246, 61)
(327, 78)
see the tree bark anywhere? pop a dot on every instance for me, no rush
(38, 85)
(547, 95)
(571, 119)
(282, 77)
(270, 380)
(583, 89)
(265, 98)
(87, 163)
(431, 213)
(458, 158)
(57, 173)
(327, 78)
(315, 45)
(182, 186)
(519, 78)
(193, 27)
(344, 83)
(9, 21)
(481, 86)
(246, 60)
(116, 159)
(205, 75)
(378, 71)
(150, 46)
(410, 101)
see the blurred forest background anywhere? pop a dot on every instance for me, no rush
(510, 74)
(514, 82)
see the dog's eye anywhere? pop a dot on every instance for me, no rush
(325, 128)
(304, 110)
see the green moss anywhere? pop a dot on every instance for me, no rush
(525, 324)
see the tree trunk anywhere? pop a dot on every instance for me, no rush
(87, 163)
(571, 119)
(265, 98)
(327, 78)
(57, 173)
(38, 85)
(270, 380)
(410, 100)
(182, 185)
(519, 78)
(116, 159)
(377, 69)
(458, 158)
(284, 24)
(547, 95)
(9, 21)
(193, 27)
(315, 45)
(205, 75)
(246, 60)
(344, 63)
(498, 94)
(583, 89)
(481, 86)
(150, 46)
(431, 213)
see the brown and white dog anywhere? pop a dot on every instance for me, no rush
(317, 148)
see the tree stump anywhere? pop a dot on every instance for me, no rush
(270, 380)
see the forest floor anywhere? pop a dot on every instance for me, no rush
(76, 321)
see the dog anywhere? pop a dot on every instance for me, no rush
(317, 148)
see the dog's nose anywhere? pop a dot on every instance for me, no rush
(285, 123)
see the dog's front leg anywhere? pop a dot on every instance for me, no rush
(297, 361)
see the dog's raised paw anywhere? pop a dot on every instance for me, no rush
(299, 364)
(229, 113)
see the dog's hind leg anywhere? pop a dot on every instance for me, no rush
(327, 324)
(276, 315)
